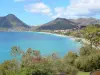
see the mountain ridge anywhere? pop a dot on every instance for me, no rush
(58, 23)
(86, 21)
(11, 21)
(63, 23)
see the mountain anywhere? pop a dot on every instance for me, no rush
(34, 28)
(85, 21)
(11, 21)
(58, 23)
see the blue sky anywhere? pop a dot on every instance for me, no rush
(37, 12)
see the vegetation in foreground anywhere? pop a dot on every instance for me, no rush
(83, 73)
(32, 63)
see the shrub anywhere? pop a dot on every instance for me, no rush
(61, 68)
(38, 69)
(88, 63)
(86, 50)
(9, 67)
(70, 58)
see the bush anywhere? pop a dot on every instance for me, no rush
(70, 58)
(86, 50)
(38, 69)
(33, 63)
(9, 67)
(88, 63)
(61, 68)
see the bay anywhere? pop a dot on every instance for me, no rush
(45, 43)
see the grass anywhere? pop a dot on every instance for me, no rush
(83, 73)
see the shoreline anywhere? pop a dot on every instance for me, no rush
(60, 35)
(71, 37)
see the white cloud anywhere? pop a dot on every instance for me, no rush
(40, 8)
(79, 8)
(60, 11)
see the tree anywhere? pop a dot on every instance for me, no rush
(86, 50)
(36, 53)
(16, 51)
(92, 34)
(88, 63)
(70, 58)
(62, 68)
(29, 51)
(9, 67)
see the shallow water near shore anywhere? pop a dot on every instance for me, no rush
(45, 43)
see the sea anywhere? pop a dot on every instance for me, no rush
(43, 42)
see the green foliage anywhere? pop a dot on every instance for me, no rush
(16, 51)
(83, 73)
(75, 34)
(88, 60)
(33, 63)
(63, 68)
(88, 63)
(42, 68)
(70, 58)
(67, 33)
(92, 34)
(9, 67)
(86, 50)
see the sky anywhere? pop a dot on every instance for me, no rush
(37, 12)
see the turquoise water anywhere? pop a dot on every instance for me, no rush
(46, 43)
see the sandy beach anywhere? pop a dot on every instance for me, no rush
(71, 37)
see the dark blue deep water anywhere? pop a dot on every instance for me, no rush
(46, 43)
